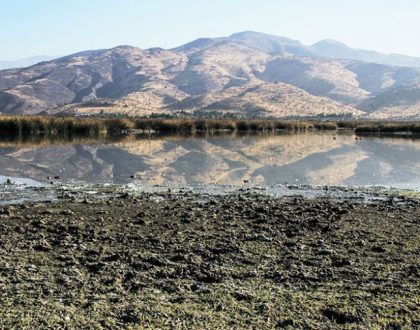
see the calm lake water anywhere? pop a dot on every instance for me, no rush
(258, 160)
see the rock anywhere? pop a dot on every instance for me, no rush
(67, 212)
(42, 246)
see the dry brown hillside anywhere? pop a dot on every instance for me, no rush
(247, 73)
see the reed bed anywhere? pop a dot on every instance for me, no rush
(61, 126)
(17, 126)
(68, 126)
(388, 128)
(191, 126)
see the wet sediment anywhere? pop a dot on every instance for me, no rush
(165, 260)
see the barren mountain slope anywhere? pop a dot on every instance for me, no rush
(221, 66)
(402, 102)
(278, 100)
(285, 60)
(82, 77)
(217, 74)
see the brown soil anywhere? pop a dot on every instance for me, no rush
(189, 261)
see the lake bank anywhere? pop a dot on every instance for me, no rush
(70, 127)
(191, 260)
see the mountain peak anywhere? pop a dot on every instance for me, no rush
(259, 36)
(272, 44)
(329, 42)
(334, 49)
(250, 33)
(125, 47)
(219, 74)
(257, 40)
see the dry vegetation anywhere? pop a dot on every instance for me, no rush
(61, 126)
(18, 126)
(384, 128)
(21, 125)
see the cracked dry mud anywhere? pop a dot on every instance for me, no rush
(195, 262)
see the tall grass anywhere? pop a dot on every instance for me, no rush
(21, 125)
(91, 127)
(388, 128)
(226, 125)
(61, 126)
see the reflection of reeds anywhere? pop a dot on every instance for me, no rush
(32, 141)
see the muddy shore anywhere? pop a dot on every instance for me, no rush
(164, 260)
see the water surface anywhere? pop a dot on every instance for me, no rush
(316, 158)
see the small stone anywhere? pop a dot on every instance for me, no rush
(67, 212)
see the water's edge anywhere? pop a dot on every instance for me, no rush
(17, 191)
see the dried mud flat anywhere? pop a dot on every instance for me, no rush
(194, 262)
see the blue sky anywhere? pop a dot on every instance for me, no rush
(59, 27)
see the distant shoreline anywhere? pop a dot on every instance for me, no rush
(17, 126)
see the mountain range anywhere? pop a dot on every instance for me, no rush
(25, 62)
(245, 74)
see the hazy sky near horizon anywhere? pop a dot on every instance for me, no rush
(60, 27)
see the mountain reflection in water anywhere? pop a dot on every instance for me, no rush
(318, 158)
